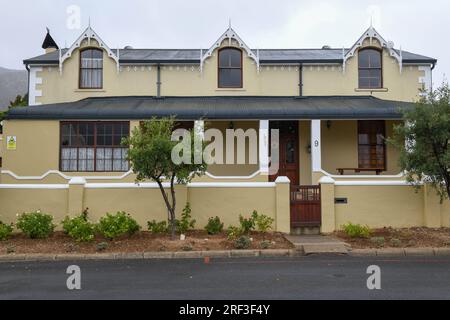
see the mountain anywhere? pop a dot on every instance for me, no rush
(12, 83)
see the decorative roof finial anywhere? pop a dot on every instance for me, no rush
(229, 23)
(49, 43)
(89, 21)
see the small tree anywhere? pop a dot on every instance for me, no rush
(423, 140)
(20, 101)
(150, 152)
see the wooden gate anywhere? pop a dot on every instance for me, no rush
(305, 206)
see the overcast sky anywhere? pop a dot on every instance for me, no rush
(415, 25)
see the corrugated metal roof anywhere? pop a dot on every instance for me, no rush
(193, 56)
(220, 108)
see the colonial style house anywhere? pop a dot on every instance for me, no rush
(333, 108)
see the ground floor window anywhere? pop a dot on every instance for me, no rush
(94, 147)
(371, 144)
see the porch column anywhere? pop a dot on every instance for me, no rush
(264, 147)
(316, 146)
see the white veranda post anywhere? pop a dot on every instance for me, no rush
(264, 147)
(316, 146)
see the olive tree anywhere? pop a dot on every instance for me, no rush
(155, 155)
(423, 140)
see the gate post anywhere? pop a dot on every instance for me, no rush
(327, 185)
(283, 205)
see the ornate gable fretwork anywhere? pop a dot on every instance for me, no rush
(88, 34)
(229, 35)
(371, 34)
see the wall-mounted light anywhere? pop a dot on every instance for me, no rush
(308, 149)
(329, 123)
(231, 125)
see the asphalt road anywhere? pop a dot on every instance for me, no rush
(318, 277)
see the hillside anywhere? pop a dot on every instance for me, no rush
(12, 83)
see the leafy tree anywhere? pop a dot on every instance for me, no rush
(150, 152)
(20, 101)
(423, 140)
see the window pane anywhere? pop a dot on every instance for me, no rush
(235, 58)
(91, 69)
(230, 78)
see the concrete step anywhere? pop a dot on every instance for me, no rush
(319, 245)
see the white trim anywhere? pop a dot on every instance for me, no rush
(426, 79)
(373, 183)
(264, 147)
(34, 186)
(232, 185)
(372, 33)
(66, 177)
(316, 146)
(89, 34)
(153, 185)
(400, 175)
(228, 34)
(282, 180)
(146, 185)
(327, 180)
(34, 81)
(233, 177)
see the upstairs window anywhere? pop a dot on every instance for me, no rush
(371, 144)
(370, 70)
(91, 69)
(230, 68)
(94, 146)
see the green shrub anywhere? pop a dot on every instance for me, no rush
(396, 243)
(247, 225)
(102, 246)
(158, 227)
(356, 231)
(233, 233)
(36, 225)
(265, 244)
(186, 223)
(79, 228)
(187, 248)
(214, 226)
(5, 231)
(243, 242)
(378, 241)
(120, 224)
(262, 222)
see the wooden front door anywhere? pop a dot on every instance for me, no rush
(288, 150)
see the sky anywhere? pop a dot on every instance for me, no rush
(414, 25)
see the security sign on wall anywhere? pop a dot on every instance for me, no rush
(11, 143)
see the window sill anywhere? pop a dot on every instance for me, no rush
(372, 90)
(90, 90)
(231, 89)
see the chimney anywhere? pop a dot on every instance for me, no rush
(49, 45)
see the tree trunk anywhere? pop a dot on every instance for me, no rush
(170, 208)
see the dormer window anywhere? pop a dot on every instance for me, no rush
(230, 68)
(91, 69)
(370, 70)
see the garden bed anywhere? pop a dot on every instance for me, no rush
(59, 243)
(400, 238)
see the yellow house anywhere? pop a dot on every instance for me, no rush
(333, 109)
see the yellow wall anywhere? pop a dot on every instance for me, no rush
(379, 206)
(340, 147)
(187, 80)
(17, 201)
(146, 204)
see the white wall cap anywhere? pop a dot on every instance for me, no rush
(327, 180)
(283, 180)
(77, 181)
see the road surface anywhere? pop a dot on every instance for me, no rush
(316, 277)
